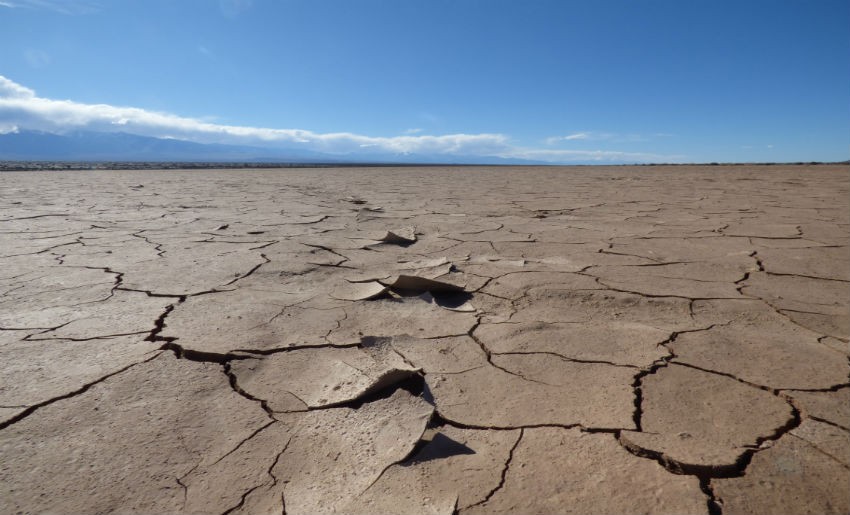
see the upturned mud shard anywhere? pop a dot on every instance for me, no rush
(426, 340)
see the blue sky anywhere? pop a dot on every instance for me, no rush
(561, 81)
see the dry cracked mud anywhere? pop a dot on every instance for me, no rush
(585, 340)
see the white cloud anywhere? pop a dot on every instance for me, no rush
(13, 90)
(22, 108)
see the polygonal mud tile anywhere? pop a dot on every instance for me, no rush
(700, 420)
(114, 256)
(450, 355)
(52, 296)
(668, 250)
(124, 313)
(515, 285)
(12, 268)
(36, 371)
(199, 269)
(763, 230)
(792, 476)
(691, 280)
(817, 304)
(833, 407)
(220, 485)
(830, 440)
(454, 470)
(716, 312)
(392, 317)
(337, 453)
(249, 320)
(14, 245)
(121, 445)
(51, 286)
(837, 326)
(338, 241)
(818, 262)
(614, 341)
(586, 306)
(773, 353)
(837, 345)
(533, 390)
(556, 470)
(795, 293)
(826, 232)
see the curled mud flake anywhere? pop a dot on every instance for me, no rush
(321, 377)
(400, 236)
(359, 290)
(419, 284)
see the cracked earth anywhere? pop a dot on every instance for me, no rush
(426, 340)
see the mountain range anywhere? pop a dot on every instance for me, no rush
(28, 145)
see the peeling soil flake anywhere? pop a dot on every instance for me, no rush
(426, 340)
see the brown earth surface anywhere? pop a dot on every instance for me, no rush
(587, 340)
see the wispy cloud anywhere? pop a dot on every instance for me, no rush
(232, 8)
(579, 136)
(22, 108)
(566, 156)
(58, 6)
(606, 136)
(36, 58)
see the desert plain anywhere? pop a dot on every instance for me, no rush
(539, 340)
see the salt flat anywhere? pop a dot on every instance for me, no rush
(426, 340)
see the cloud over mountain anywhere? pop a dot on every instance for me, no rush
(22, 109)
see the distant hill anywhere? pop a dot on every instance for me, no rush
(121, 146)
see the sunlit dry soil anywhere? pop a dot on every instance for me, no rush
(426, 340)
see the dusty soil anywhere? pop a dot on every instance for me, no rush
(426, 340)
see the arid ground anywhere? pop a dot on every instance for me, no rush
(589, 340)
